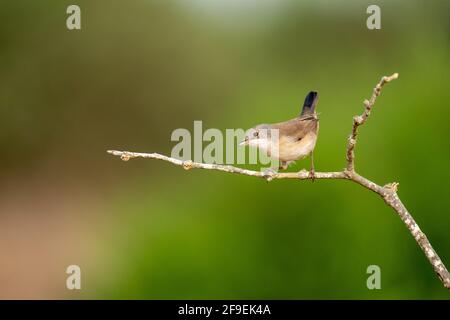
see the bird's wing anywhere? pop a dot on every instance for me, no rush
(296, 128)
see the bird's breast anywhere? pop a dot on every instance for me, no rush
(291, 150)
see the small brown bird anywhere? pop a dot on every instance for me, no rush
(296, 137)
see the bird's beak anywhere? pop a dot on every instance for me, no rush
(244, 142)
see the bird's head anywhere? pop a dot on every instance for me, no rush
(259, 136)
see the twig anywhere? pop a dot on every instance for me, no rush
(387, 192)
(360, 120)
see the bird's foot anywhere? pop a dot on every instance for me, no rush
(269, 173)
(312, 174)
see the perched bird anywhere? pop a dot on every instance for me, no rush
(296, 137)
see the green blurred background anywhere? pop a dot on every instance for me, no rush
(146, 229)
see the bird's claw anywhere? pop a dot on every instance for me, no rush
(269, 173)
(312, 175)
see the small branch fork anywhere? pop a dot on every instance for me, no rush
(387, 192)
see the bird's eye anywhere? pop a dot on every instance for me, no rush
(255, 134)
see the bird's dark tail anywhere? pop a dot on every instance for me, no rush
(310, 103)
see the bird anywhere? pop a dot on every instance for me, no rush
(296, 137)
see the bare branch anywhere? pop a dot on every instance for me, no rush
(392, 199)
(360, 120)
(388, 192)
(268, 175)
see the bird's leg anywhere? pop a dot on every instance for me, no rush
(311, 170)
(283, 165)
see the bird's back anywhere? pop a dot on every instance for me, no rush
(298, 127)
